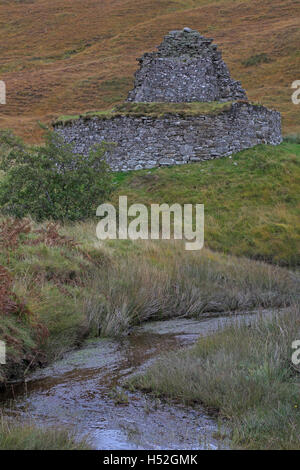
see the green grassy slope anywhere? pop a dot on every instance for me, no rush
(252, 200)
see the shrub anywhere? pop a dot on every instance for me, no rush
(51, 181)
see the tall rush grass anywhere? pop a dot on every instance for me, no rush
(162, 280)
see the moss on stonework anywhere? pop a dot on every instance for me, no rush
(156, 110)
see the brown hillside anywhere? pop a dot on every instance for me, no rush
(69, 56)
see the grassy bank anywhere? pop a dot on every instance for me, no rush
(61, 285)
(30, 437)
(244, 373)
(252, 202)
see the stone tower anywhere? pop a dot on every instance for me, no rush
(186, 68)
(184, 108)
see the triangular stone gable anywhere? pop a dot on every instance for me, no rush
(186, 68)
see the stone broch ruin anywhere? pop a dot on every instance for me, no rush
(184, 107)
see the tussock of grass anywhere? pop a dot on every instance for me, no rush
(244, 372)
(30, 437)
(155, 110)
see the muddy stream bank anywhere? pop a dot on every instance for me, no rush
(83, 392)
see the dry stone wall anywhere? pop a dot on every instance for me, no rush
(147, 142)
(187, 67)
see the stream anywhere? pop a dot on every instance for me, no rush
(83, 392)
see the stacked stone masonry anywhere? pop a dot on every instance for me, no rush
(150, 142)
(186, 68)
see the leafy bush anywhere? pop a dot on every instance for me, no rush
(50, 181)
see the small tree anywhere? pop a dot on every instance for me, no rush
(51, 181)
